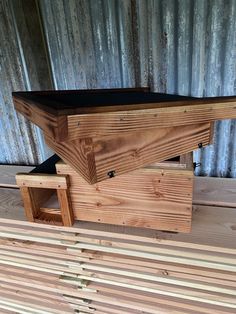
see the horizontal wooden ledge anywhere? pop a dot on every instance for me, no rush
(111, 123)
(45, 181)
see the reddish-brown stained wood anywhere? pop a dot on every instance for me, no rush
(30, 209)
(69, 115)
(67, 214)
(46, 181)
(36, 189)
(96, 159)
(163, 115)
(49, 122)
(79, 154)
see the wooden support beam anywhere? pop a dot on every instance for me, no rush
(45, 181)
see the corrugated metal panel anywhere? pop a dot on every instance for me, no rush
(21, 68)
(186, 47)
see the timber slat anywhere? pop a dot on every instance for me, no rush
(97, 268)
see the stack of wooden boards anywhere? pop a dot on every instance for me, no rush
(106, 137)
(104, 269)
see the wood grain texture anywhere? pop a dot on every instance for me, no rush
(79, 154)
(11, 204)
(125, 153)
(46, 181)
(94, 267)
(215, 191)
(162, 115)
(8, 173)
(31, 210)
(36, 189)
(212, 229)
(67, 214)
(151, 198)
(98, 268)
(55, 126)
(83, 114)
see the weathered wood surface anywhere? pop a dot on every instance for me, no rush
(11, 204)
(96, 159)
(8, 174)
(150, 197)
(215, 191)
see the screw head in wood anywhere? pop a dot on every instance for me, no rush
(111, 174)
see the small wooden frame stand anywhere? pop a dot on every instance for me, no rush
(36, 188)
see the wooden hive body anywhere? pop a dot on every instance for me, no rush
(156, 197)
(112, 132)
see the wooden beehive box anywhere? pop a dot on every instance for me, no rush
(158, 196)
(105, 133)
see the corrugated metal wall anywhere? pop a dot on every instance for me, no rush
(185, 47)
(22, 67)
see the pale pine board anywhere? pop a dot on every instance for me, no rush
(8, 173)
(11, 204)
(215, 191)
(149, 197)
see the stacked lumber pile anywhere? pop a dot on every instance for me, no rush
(96, 268)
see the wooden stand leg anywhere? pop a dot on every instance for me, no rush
(66, 209)
(30, 211)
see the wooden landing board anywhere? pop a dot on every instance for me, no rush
(69, 115)
(102, 158)
(152, 197)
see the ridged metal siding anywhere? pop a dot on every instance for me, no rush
(185, 47)
(21, 68)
